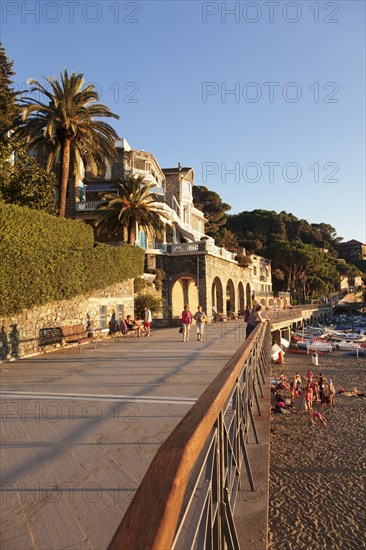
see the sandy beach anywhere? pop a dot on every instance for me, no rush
(317, 475)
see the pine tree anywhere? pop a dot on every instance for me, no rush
(8, 105)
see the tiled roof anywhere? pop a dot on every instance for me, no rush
(353, 242)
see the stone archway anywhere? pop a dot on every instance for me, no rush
(248, 296)
(217, 295)
(271, 302)
(241, 298)
(230, 297)
(262, 301)
(184, 291)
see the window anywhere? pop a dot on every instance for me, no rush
(254, 270)
(185, 215)
(102, 316)
(140, 164)
(116, 170)
(120, 312)
(186, 188)
(142, 240)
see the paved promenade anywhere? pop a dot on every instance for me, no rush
(78, 431)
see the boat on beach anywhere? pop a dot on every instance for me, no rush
(346, 346)
(325, 347)
(345, 336)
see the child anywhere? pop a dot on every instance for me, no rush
(309, 398)
(316, 414)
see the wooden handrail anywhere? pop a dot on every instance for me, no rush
(151, 519)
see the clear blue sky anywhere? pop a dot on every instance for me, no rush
(297, 70)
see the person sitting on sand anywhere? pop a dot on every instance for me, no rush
(297, 380)
(314, 415)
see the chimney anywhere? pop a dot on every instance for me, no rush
(179, 166)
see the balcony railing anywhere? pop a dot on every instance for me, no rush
(157, 190)
(94, 187)
(145, 174)
(189, 493)
(186, 248)
(87, 206)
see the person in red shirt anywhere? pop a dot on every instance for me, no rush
(186, 322)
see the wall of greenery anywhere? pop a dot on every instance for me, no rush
(44, 258)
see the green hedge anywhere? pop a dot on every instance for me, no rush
(44, 258)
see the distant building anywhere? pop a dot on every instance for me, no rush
(352, 250)
(172, 185)
(261, 277)
(350, 284)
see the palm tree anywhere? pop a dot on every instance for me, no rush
(133, 205)
(64, 127)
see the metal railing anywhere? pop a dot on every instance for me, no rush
(310, 306)
(284, 315)
(87, 206)
(188, 495)
(102, 187)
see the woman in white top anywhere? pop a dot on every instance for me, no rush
(201, 319)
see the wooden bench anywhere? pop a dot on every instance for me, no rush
(50, 336)
(124, 332)
(77, 334)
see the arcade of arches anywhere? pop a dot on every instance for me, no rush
(218, 285)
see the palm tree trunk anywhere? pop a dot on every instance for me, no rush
(131, 231)
(63, 176)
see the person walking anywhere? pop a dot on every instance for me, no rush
(147, 321)
(201, 319)
(186, 322)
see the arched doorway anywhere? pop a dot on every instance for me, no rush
(241, 299)
(271, 302)
(248, 295)
(230, 297)
(184, 291)
(217, 296)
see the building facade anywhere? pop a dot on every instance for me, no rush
(196, 269)
(352, 250)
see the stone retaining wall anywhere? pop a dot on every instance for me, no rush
(20, 333)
